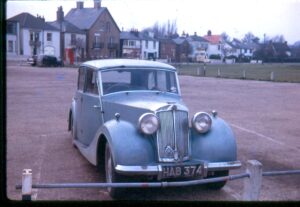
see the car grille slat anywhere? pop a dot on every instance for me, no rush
(172, 137)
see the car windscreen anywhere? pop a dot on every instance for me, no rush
(138, 79)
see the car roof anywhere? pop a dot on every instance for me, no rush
(125, 63)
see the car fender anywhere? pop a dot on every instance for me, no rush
(127, 144)
(217, 145)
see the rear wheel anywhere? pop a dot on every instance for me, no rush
(217, 185)
(73, 135)
(111, 175)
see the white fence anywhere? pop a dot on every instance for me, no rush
(251, 189)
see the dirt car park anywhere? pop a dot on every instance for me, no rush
(263, 115)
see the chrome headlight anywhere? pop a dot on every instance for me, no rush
(148, 123)
(201, 122)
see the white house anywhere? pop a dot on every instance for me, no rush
(198, 45)
(35, 36)
(215, 44)
(12, 39)
(131, 44)
(149, 46)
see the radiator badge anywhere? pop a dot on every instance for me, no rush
(169, 151)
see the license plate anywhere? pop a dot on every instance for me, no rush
(181, 171)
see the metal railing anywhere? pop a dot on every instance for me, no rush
(251, 191)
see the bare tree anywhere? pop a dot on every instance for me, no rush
(225, 36)
(279, 39)
(249, 37)
(165, 29)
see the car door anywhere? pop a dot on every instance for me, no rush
(78, 98)
(91, 108)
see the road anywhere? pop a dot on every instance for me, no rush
(263, 115)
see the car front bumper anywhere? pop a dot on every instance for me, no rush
(157, 170)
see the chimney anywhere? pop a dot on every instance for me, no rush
(79, 4)
(97, 4)
(60, 14)
(208, 33)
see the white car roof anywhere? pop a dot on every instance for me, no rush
(124, 63)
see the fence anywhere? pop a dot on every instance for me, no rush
(265, 72)
(252, 182)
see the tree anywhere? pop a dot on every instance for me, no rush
(278, 39)
(249, 37)
(225, 36)
(168, 29)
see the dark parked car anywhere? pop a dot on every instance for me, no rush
(128, 118)
(48, 60)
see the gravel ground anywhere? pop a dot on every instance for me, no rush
(263, 115)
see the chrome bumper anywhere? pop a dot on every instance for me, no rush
(156, 170)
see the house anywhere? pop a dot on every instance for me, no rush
(142, 45)
(32, 36)
(199, 46)
(183, 49)
(130, 43)
(102, 32)
(273, 51)
(215, 45)
(150, 46)
(167, 49)
(72, 39)
(12, 38)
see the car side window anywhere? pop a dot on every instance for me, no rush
(91, 83)
(81, 77)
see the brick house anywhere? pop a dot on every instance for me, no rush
(102, 32)
(183, 49)
(167, 49)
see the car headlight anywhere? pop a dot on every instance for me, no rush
(201, 122)
(148, 123)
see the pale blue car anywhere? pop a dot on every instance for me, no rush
(128, 118)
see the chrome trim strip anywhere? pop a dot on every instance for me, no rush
(149, 170)
(223, 165)
(157, 169)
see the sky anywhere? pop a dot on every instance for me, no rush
(235, 17)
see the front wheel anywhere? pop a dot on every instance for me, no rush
(111, 175)
(217, 185)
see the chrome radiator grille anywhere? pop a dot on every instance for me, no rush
(172, 137)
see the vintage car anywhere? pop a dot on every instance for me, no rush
(128, 118)
(48, 61)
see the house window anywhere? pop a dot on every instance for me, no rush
(125, 43)
(10, 46)
(31, 36)
(36, 36)
(219, 47)
(49, 36)
(73, 39)
(154, 44)
(132, 43)
(108, 26)
(147, 44)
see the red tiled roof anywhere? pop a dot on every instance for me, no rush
(214, 39)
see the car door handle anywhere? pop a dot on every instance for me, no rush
(97, 107)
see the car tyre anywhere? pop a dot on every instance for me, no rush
(111, 176)
(73, 135)
(217, 185)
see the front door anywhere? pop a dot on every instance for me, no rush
(91, 116)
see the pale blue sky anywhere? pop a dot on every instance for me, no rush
(235, 17)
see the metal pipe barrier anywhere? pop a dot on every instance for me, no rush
(252, 185)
